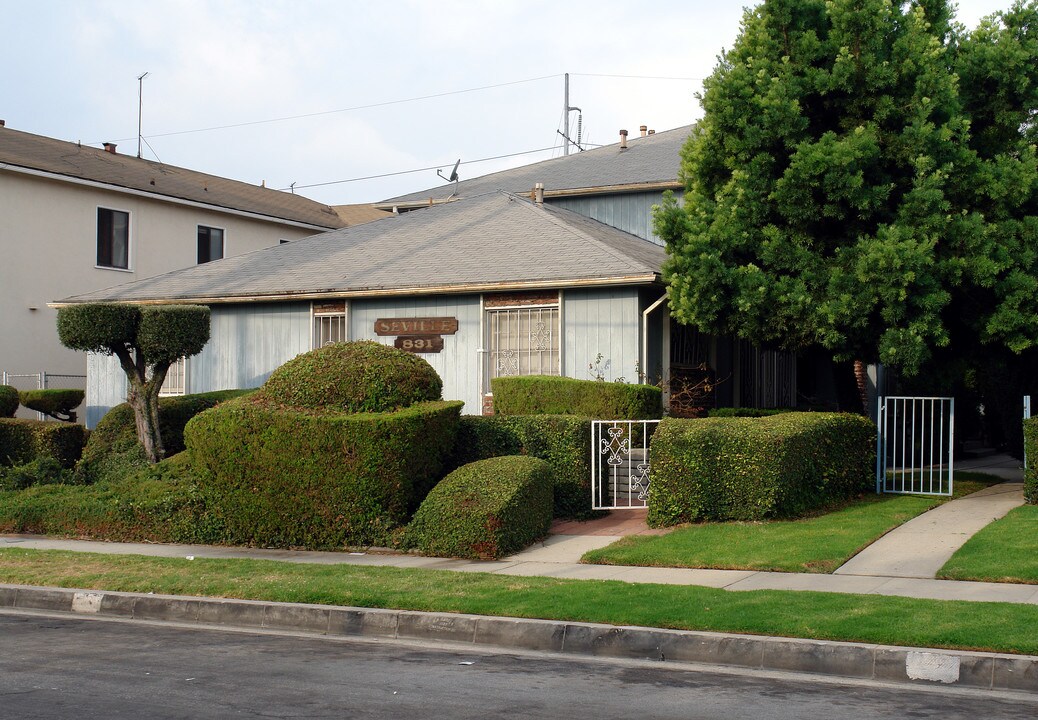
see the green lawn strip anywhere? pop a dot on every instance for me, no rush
(998, 627)
(1004, 551)
(818, 544)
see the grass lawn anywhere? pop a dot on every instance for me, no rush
(818, 544)
(1004, 551)
(1000, 627)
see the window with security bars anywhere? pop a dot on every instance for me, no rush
(523, 341)
(176, 379)
(329, 328)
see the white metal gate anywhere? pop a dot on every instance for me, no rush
(620, 463)
(915, 445)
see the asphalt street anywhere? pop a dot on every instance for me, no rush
(56, 667)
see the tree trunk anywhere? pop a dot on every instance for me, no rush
(145, 404)
(861, 377)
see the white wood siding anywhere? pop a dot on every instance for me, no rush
(605, 321)
(248, 342)
(458, 363)
(106, 386)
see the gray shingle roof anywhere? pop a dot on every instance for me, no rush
(492, 240)
(651, 159)
(36, 152)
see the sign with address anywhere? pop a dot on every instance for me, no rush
(416, 326)
(419, 343)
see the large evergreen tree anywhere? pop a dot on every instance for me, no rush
(864, 178)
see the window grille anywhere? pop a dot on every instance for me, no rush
(524, 341)
(329, 328)
(176, 379)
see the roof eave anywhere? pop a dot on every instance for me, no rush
(648, 278)
(564, 192)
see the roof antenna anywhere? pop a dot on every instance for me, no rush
(140, 106)
(453, 178)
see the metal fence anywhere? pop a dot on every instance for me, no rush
(915, 445)
(620, 463)
(42, 380)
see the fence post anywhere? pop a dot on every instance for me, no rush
(1027, 416)
(879, 442)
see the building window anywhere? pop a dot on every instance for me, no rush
(176, 379)
(329, 323)
(210, 244)
(524, 341)
(113, 238)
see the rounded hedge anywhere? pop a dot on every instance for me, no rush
(52, 401)
(8, 401)
(353, 377)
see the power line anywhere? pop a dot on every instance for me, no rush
(408, 172)
(348, 109)
(634, 77)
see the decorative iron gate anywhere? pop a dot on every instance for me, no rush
(620, 463)
(915, 445)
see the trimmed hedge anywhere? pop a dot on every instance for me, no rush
(757, 468)
(485, 509)
(22, 441)
(8, 401)
(552, 395)
(747, 412)
(54, 402)
(116, 433)
(563, 441)
(285, 478)
(1031, 452)
(353, 377)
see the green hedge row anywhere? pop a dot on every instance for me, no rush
(22, 441)
(551, 395)
(755, 468)
(115, 436)
(1031, 453)
(8, 401)
(563, 441)
(288, 478)
(746, 412)
(485, 509)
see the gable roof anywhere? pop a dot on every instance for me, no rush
(650, 162)
(490, 242)
(43, 155)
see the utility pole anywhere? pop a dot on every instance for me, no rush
(140, 107)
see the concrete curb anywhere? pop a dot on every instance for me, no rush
(989, 671)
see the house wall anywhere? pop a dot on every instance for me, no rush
(48, 251)
(459, 363)
(604, 321)
(630, 212)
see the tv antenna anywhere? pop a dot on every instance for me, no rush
(140, 106)
(566, 110)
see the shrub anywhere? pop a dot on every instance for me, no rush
(563, 441)
(756, 468)
(353, 377)
(1031, 453)
(746, 412)
(41, 471)
(289, 478)
(485, 509)
(551, 395)
(113, 447)
(59, 403)
(8, 401)
(22, 441)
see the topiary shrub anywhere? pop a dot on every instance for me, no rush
(485, 509)
(756, 468)
(23, 441)
(552, 395)
(113, 448)
(563, 441)
(58, 403)
(8, 401)
(288, 478)
(1031, 453)
(353, 377)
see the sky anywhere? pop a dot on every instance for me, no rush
(325, 94)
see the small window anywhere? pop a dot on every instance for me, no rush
(113, 238)
(524, 341)
(176, 379)
(210, 244)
